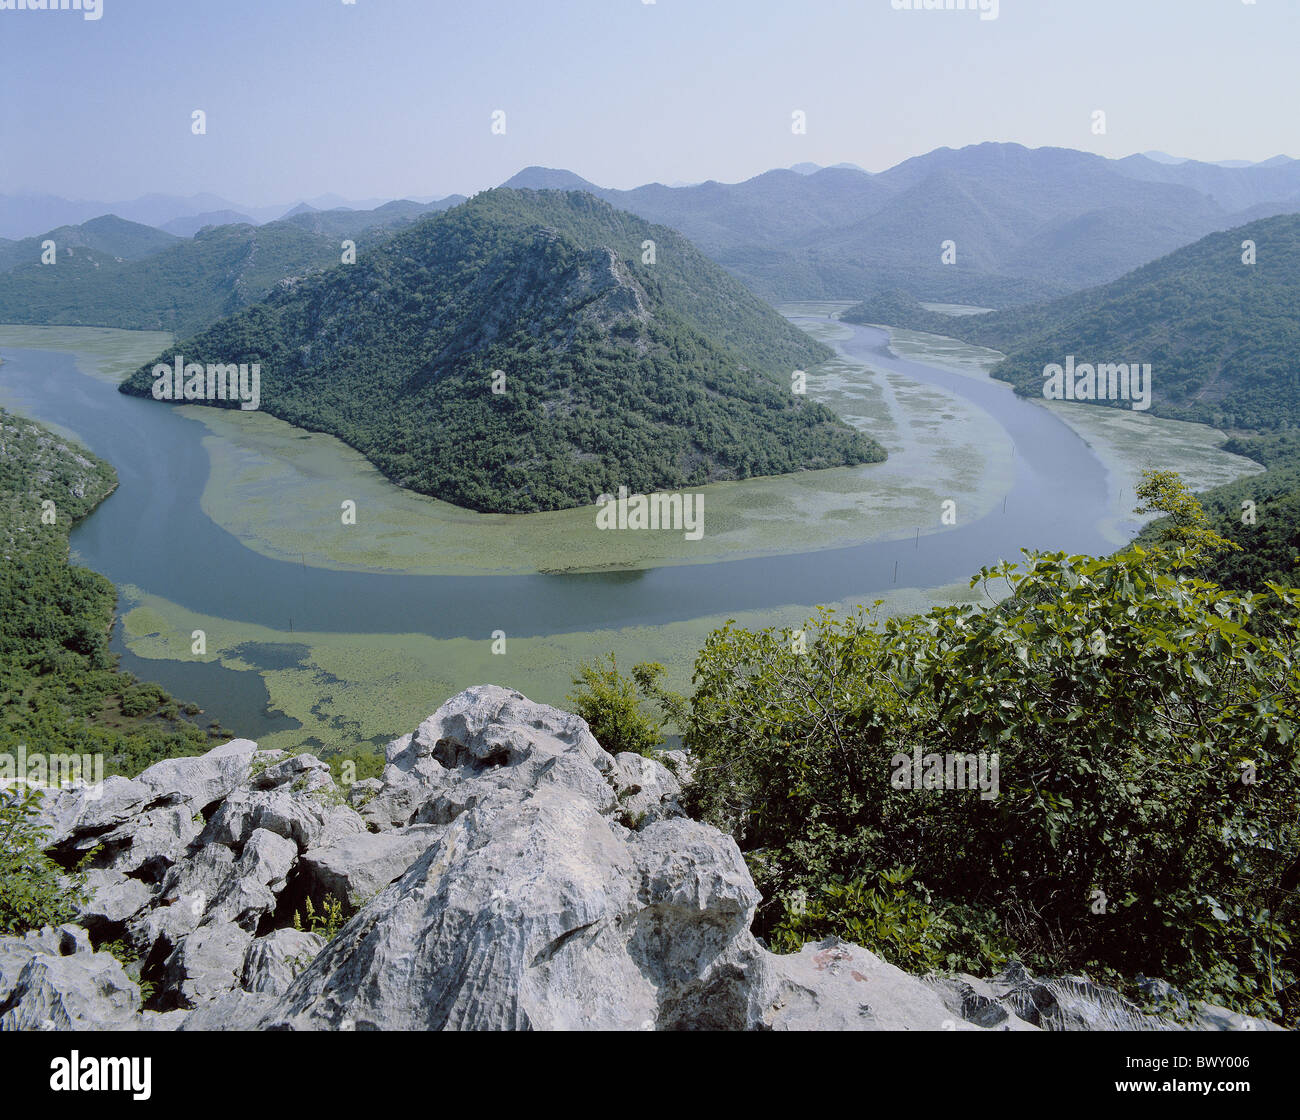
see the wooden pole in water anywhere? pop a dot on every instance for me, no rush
(918, 536)
(895, 571)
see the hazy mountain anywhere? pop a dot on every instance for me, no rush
(549, 179)
(652, 376)
(1028, 223)
(1221, 336)
(189, 283)
(344, 222)
(189, 225)
(813, 168)
(107, 235)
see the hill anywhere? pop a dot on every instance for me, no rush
(60, 690)
(190, 283)
(1221, 336)
(617, 373)
(107, 235)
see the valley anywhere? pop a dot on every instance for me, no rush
(227, 522)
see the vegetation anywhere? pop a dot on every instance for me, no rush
(617, 708)
(655, 376)
(1144, 816)
(112, 273)
(326, 922)
(1221, 335)
(107, 237)
(60, 692)
(34, 891)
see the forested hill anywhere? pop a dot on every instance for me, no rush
(60, 690)
(655, 376)
(110, 273)
(1222, 336)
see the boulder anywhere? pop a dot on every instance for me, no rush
(646, 790)
(54, 980)
(841, 987)
(206, 964)
(272, 962)
(357, 867)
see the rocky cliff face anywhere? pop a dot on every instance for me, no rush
(505, 873)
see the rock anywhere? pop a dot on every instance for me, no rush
(86, 812)
(54, 980)
(361, 793)
(1076, 1003)
(303, 772)
(113, 898)
(231, 1011)
(272, 962)
(1209, 1017)
(206, 964)
(200, 782)
(841, 987)
(680, 764)
(355, 868)
(255, 882)
(310, 817)
(1163, 998)
(536, 914)
(646, 790)
(499, 736)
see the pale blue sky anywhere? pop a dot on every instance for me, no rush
(393, 98)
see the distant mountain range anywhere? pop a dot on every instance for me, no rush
(25, 215)
(1222, 336)
(1027, 223)
(617, 371)
(114, 273)
(1024, 224)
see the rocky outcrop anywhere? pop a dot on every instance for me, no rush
(505, 872)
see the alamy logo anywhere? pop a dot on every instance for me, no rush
(988, 9)
(683, 513)
(953, 770)
(102, 1075)
(193, 382)
(54, 770)
(1108, 381)
(89, 9)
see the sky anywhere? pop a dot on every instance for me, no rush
(394, 98)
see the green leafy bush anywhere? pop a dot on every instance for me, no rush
(34, 892)
(614, 706)
(1149, 798)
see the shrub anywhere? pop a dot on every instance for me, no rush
(1149, 789)
(613, 705)
(34, 892)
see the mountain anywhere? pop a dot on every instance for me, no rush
(192, 282)
(549, 179)
(343, 222)
(1221, 336)
(617, 373)
(190, 224)
(108, 235)
(1028, 223)
(813, 168)
(181, 289)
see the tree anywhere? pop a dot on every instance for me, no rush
(612, 706)
(34, 892)
(1185, 524)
